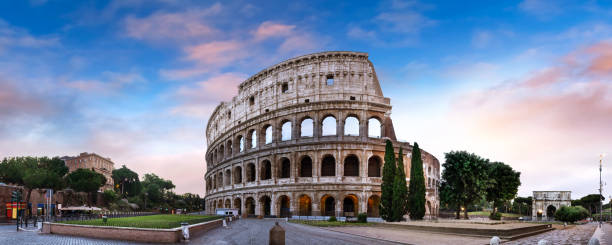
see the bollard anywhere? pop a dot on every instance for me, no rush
(544, 242)
(593, 241)
(277, 235)
(104, 218)
(495, 241)
(185, 228)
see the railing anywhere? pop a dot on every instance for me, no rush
(31, 221)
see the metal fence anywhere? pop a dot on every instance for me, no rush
(31, 221)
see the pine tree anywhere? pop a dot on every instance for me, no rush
(400, 191)
(416, 190)
(386, 199)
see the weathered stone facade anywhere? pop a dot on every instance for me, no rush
(548, 202)
(306, 137)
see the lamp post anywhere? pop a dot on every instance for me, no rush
(600, 187)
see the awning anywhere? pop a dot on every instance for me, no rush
(81, 208)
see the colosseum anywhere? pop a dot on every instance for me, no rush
(306, 137)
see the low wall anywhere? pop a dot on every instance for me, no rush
(129, 233)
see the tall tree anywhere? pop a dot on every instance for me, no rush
(128, 183)
(503, 183)
(464, 179)
(388, 177)
(85, 180)
(400, 191)
(156, 189)
(416, 191)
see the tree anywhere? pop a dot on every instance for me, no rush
(416, 191)
(400, 192)
(389, 169)
(571, 214)
(590, 202)
(85, 180)
(128, 183)
(524, 205)
(503, 183)
(464, 180)
(155, 190)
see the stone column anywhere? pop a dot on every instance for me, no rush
(339, 206)
(273, 210)
(316, 202)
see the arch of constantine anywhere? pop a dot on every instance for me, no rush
(306, 137)
(546, 203)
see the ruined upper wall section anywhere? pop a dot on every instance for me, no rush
(313, 78)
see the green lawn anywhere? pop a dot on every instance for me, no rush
(160, 221)
(322, 223)
(486, 213)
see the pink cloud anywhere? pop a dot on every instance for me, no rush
(15, 101)
(270, 29)
(602, 63)
(200, 100)
(218, 53)
(177, 26)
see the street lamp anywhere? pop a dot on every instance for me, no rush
(601, 156)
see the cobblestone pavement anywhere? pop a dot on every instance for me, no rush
(605, 235)
(248, 231)
(412, 236)
(579, 234)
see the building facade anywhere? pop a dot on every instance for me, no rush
(546, 203)
(306, 137)
(102, 165)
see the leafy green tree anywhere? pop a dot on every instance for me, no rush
(416, 191)
(522, 205)
(110, 196)
(86, 180)
(388, 177)
(590, 202)
(571, 214)
(127, 182)
(400, 191)
(503, 183)
(156, 190)
(464, 180)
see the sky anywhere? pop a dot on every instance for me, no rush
(527, 83)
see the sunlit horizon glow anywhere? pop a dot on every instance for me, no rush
(526, 83)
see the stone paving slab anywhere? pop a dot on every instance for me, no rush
(578, 234)
(411, 236)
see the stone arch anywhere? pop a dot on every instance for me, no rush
(228, 177)
(286, 130)
(374, 127)
(374, 206)
(328, 126)
(285, 168)
(250, 172)
(374, 166)
(220, 178)
(252, 140)
(249, 206)
(221, 153)
(550, 211)
(304, 205)
(266, 170)
(328, 166)
(284, 206)
(238, 205)
(268, 135)
(307, 127)
(351, 165)
(429, 211)
(237, 175)
(240, 142)
(350, 205)
(351, 125)
(305, 167)
(228, 203)
(220, 204)
(266, 205)
(328, 205)
(230, 148)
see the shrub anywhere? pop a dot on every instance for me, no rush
(110, 196)
(571, 214)
(362, 218)
(332, 219)
(495, 216)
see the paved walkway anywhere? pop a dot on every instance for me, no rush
(411, 236)
(578, 234)
(8, 235)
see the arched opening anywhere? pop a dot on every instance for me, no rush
(306, 167)
(285, 168)
(250, 206)
(374, 206)
(215, 204)
(305, 206)
(306, 128)
(374, 166)
(221, 153)
(328, 206)
(285, 206)
(350, 205)
(230, 148)
(266, 170)
(253, 138)
(220, 204)
(268, 134)
(238, 175)
(250, 172)
(228, 203)
(329, 126)
(429, 211)
(374, 128)
(238, 205)
(220, 179)
(265, 202)
(328, 166)
(351, 166)
(550, 211)
(241, 143)
(286, 131)
(351, 126)
(228, 177)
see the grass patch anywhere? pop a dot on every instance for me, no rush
(324, 223)
(160, 221)
(486, 213)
